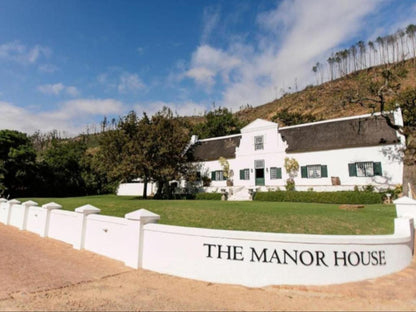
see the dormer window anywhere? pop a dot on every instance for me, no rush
(258, 142)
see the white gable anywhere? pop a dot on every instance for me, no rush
(259, 125)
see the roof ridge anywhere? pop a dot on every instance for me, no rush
(333, 120)
(220, 138)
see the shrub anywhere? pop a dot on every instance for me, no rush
(208, 196)
(345, 197)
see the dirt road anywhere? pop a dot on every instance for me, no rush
(44, 274)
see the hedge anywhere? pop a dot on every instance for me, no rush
(208, 196)
(344, 197)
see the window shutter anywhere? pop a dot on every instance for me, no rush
(279, 173)
(324, 171)
(242, 174)
(303, 172)
(377, 169)
(213, 176)
(352, 169)
(247, 174)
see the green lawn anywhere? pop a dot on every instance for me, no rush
(248, 216)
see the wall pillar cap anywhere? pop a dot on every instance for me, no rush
(142, 214)
(30, 203)
(51, 206)
(87, 209)
(405, 200)
(3, 200)
(14, 202)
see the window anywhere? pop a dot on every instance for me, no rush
(275, 173)
(258, 143)
(365, 169)
(217, 176)
(245, 174)
(314, 171)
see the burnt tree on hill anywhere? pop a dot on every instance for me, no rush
(385, 94)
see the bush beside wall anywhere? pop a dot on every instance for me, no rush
(208, 196)
(344, 197)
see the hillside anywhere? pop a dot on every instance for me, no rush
(330, 99)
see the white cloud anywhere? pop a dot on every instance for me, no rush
(71, 118)
(290, 40)
(210, 19)
(58, 88)
(72, 91)
(48, 68)
(18, 52)
(208, 62)
(121, 80)
(130, 83)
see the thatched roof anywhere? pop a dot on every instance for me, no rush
(358, 132)
(213, 149)
(319, 136)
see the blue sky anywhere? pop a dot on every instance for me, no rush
(65, 64)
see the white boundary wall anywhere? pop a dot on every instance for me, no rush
(234, 257)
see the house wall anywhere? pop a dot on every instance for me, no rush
(336, 161)
(273, 154)
(135, 189)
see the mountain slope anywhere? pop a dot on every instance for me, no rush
(330, 99)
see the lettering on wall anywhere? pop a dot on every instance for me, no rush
(337, 258)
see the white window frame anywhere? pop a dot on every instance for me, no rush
(259, 142)
(365, 169)
(314, 171)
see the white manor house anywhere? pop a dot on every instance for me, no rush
(333, 155)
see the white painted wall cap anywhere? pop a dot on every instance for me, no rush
(52, 205)
(30, 203)
(3, 200)
(14, 201)
(405, 200)
(87, 209)
(141, 214)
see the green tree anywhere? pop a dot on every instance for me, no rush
(169, 139)
(152, 149)
(17, 163)
(62, 165)
(293, 118)
(219, 122)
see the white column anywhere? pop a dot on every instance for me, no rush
(405, 207)
(10, 203)
(3, 207)
(137, 220)
(26, 206)
(83, 213)
(48, 207)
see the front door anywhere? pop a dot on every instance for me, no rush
(259, 172)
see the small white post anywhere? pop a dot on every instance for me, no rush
(405, 207)
(83, 212)
(3, 205)
(48, 207)
(9, 208)
(137, 220)
(26, 206)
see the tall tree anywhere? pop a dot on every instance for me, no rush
(384, 95)
(152, 149)
(411, 33)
